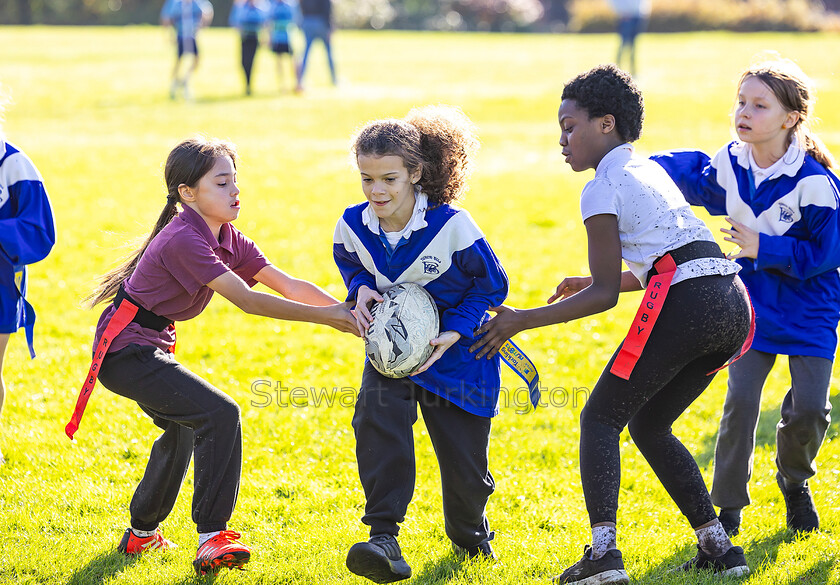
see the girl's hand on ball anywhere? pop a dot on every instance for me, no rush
(365, 297)
(570, 286)
(442, 342)
(342, 318)
(496, 331)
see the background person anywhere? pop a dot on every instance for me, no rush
(186, 17)
(316, 25)
(633, 17)
(249, 17)
(283, 16)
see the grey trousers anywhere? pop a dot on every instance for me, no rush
(799, 433)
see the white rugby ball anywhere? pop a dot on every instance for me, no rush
(397, 341)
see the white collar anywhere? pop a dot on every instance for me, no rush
(789, 164)
(618, 155)
(764, 172)
(2, 146)
(416, 222)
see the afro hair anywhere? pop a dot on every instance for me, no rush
(606, 89)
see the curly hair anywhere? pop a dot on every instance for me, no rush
(606, 89)
(438, 140)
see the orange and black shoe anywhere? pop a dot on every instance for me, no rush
(221, 551)
(131, 544)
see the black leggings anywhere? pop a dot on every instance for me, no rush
(250, 42)
(704, 321)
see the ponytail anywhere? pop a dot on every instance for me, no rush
(185, 165)
(110, 283)
(815, 147)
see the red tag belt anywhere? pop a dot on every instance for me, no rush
(119, 320)
(648, 313)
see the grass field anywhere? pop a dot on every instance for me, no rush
(91, 108)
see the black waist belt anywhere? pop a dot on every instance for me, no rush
(144, 318)
(691, 251)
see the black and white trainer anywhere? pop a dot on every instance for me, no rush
(607, 569)
(730, 564)
(379, 559)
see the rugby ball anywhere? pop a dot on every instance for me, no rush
(397, 341)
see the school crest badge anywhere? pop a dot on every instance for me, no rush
(431, 264)
(785, 213)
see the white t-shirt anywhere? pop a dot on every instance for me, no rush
(653, 216)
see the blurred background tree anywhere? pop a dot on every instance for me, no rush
(472, 15)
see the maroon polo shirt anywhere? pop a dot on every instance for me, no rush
(171, 278)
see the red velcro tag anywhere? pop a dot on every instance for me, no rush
(119, 320)
(655, 293)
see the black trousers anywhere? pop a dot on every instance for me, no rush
(385, 412)
(195, 417)
(250, 42)
(704, 321)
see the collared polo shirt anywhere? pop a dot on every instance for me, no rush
(172, 275)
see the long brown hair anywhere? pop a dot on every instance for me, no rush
(439, 140)
(795, 93)
(185, 165)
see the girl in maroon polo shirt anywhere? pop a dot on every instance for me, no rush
(189, 256)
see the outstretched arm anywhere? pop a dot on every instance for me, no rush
(294, 289)
(599, 295)
(233, 288)
(572, 285)
(697, 176)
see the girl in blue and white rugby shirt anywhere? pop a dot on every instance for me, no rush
(407, 231)
(781, 199)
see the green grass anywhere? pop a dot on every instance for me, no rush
(91, 109)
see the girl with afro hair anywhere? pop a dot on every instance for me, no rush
(694, 316)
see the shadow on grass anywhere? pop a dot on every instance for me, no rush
(109, 103)
(441, 570)
(761, 556)
(765, 434)
(101, 568)
(240, 97)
